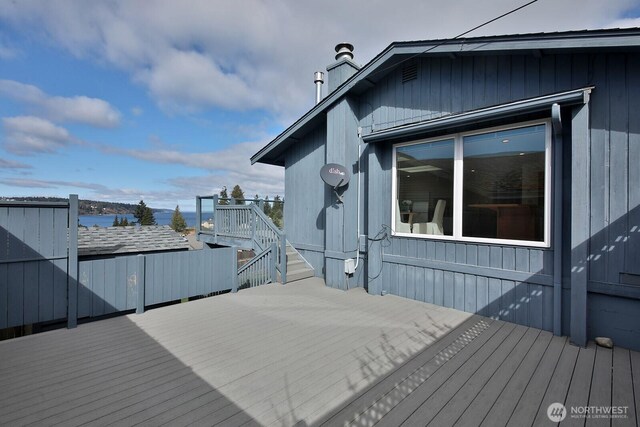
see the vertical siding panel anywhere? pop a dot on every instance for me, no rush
(547, 74)
(522, 259)
(461, 253)
(563, 73)
(633, 80)
(508, 301)
(45, 292)
(483, 256)
(431, 249)
(31, 301)
(121, 284)
(429, 286)
(547, 308)
(15, 296)
(419, 278)
(402, 280)
(97, 300)
(457, 103)
(450, 252)
(472, 254)
(517, 77)
(536, 306)
(535, 261)
(411, 282)
(478, 92)
(599, 192)
(438, 287)
(440, 251)
(532, 72)
(580, 70)
(467, 83)
(470, 293)
(495, 298)
(445, 86)
(619, 150)
(504, 79)
(110, 286)
(4, 291)
(435, 106)
(522, 303)
(495, 257)
(60, 288)
(458, 291)
(508, 259)
(491, 80)
(448, 286)
(482, 297)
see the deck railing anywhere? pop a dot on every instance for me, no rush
(230, 222)
(260, 270)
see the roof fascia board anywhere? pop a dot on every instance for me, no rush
(573, 97)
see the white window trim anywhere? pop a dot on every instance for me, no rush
(458, 171)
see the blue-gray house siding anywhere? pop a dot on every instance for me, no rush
(600, 183)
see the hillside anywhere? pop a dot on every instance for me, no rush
(86, 207)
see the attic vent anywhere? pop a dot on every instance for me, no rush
(409, 72)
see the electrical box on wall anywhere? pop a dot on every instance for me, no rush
(349, 266)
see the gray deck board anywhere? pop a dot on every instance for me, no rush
(305, 354)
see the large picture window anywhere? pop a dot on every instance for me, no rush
(490, 185)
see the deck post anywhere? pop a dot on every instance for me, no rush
(140, 284)
(72, 268)
(580, 213)
(253, 224)
(234, 278)
(213, 219)
(283, 259)
(198, 215)
(274, 260)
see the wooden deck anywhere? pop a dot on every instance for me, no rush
(308, 355)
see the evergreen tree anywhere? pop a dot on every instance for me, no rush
(124, 222)
(223, 197)
(276, 213)
(267, 207)
(116, 222)
(178, 222)
(144, 214)
(238, 194)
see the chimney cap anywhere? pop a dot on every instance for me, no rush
(344, 51)
(318, 77)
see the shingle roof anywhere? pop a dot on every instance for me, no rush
(128, 240)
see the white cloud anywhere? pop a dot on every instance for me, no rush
(26, 135)
(228, 167)
(254, 54)
(78, 109)
(10, 164)
(137, 111)
(7, 52)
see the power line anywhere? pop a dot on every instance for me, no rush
(458, 36)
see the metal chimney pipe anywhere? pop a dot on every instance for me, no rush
(318, 79)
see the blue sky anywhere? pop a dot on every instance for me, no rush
(165, 100)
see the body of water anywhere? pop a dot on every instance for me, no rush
(162, 218)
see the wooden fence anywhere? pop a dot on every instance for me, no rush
(136, 281)
(41, 279)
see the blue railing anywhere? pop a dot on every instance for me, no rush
(260, 270)
(231, 223)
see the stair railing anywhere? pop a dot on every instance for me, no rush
(245, 222)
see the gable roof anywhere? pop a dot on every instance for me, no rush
(399, 52)
(94, 241)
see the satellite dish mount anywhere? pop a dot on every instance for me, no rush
(335, 176)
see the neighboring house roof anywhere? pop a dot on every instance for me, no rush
(399, 52)
(129, 240)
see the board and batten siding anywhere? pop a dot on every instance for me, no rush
(306, 197)
(453, 85)
(33, 263)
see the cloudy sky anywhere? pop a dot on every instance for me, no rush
(163, 100)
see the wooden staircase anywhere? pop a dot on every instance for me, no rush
(297, 267)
